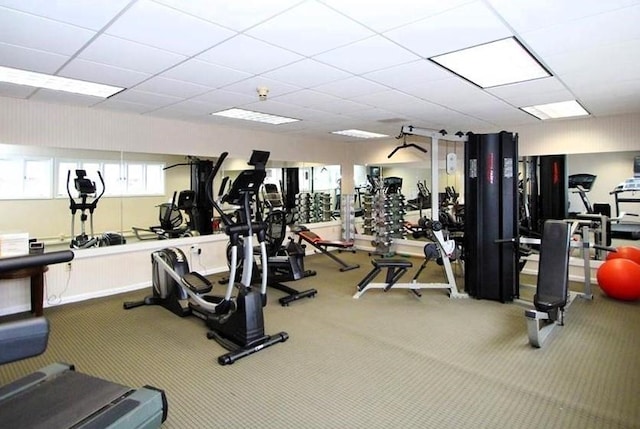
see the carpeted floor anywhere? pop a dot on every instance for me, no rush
(387, 360)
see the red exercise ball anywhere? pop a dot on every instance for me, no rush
(620, 279)
(625, 252)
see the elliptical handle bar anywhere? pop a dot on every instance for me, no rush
(104, 188)
(226, 219)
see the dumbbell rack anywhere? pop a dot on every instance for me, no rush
(367, 215)
(348, 216)
(321, 207)
(302, 212)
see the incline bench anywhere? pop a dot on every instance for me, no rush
(316, 241)
(552, 289)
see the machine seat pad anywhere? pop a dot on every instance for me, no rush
(197, 282)
(335, 243)
(391, 263)
(314, 238)
(547, 303)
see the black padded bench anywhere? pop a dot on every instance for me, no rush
(396, 268)
(552, 289)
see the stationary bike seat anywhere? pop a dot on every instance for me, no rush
(197, 282)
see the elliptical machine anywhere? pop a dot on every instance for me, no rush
(86, 189)
(235, 322)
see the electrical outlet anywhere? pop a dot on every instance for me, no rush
(195, 249)
(69, 266)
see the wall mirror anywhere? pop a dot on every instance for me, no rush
(33, 182)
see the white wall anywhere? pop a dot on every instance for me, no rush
(610, 169)
(107, 271)
(590, 135)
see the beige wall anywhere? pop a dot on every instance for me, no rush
(41, 124)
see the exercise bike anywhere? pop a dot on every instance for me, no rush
(235, 322)
(89, 197)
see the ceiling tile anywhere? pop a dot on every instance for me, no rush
(249, 87)
(129, 55)
(147, 98)
(592, 65)
(187, 109)
(233, 54)
(224, 99)
(309, 29)
(597, 30)
(234, 14)
(123, 106)
(341, 106)
(162, 27)
(75, 12)
(455, 29)
(453, 92)
(373, 114)
(61, 97)
(307, 73)
(22, 29)
(409, 75)
(102, 73)
(350, 87)
(389, 99)
(305, 98)
(30, 59)
(383, 15)
(276, 108)
(509, 120)
(367, 55)
(527, 16)
(538, 91)
(173, 87)
(206, 74)
(613, 98)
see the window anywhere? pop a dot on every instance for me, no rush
(25, 178)
(33, 178)
(120, 179)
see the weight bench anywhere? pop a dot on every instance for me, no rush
(317, 242)
(552, 289)
(396, 268)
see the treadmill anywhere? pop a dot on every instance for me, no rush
(57, 396)
(626, 230)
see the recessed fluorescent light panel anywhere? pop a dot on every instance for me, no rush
(563, 109)
(492, 64)
(359, 134)
(249, 115)
(56, 83)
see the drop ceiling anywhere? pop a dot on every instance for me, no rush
(333, 64)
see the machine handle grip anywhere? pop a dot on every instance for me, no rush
(216, 167)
